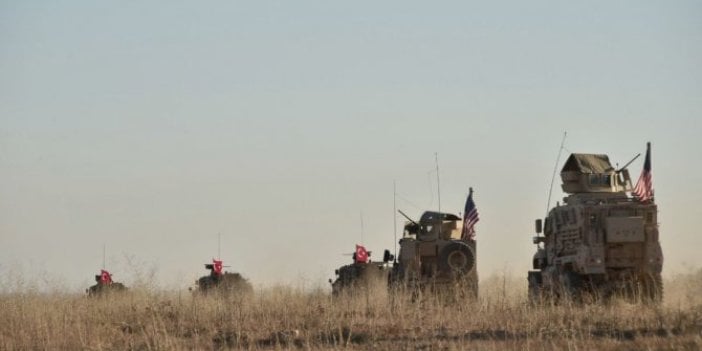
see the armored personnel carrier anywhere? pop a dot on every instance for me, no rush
(435, 255)
(222, 281)
(600, 242)
(104, 285)
(362, 274)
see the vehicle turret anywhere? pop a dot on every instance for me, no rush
(593, 173)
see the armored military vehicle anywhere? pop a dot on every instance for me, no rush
(104, 285)
(600, 242)
(222, 282)
(435, 255)
(362, 274)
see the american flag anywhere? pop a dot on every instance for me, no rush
(470, 217)
(644, 186)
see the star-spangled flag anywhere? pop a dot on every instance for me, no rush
(361, 254)
(644, 186)
(470, 217)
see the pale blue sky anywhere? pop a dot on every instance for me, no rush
(152, 127)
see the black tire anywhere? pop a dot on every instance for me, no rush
(457, 258)
(536, 294)
(651, 288)
(573, 286)
(467, 289)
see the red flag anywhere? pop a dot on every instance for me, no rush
(361, 254)
(105, 277)
(217, 265)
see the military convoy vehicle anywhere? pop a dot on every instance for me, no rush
(222, 282)
(362, 274)
(434, 255)
(600, 242)
(104, 285)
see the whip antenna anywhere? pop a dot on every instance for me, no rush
(555, 167)
(362, 228)
(438, 182)
(219, 246)
(438, 190)
(394, 216)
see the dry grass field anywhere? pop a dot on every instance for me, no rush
(289, 318)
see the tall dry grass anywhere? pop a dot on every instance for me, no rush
(286, 317)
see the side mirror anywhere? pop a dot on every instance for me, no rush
(387, 256)
(336, 271)
(330, 281)
(539, 226)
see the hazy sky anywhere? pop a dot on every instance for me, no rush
(151, 127)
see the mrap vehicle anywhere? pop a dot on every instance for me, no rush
(600, 242)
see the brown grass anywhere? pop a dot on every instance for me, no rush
(289, 318)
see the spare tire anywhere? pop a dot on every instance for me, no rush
(456, 258)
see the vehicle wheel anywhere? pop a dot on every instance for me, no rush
(536, 294)
(652, 288)
(572, 285)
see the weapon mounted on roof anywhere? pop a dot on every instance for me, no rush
(628, 163)
(413, 227)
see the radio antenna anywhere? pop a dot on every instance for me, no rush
(362, 228)
(555, 167)
(438, 190)
(438, 181)
(394, 216)
(103, 256)
(219, 246)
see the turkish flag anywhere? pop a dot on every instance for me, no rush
(105, 277)
(217, 266)
(361, 254)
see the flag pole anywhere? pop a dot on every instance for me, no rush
(103, 256)
(219, 246)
